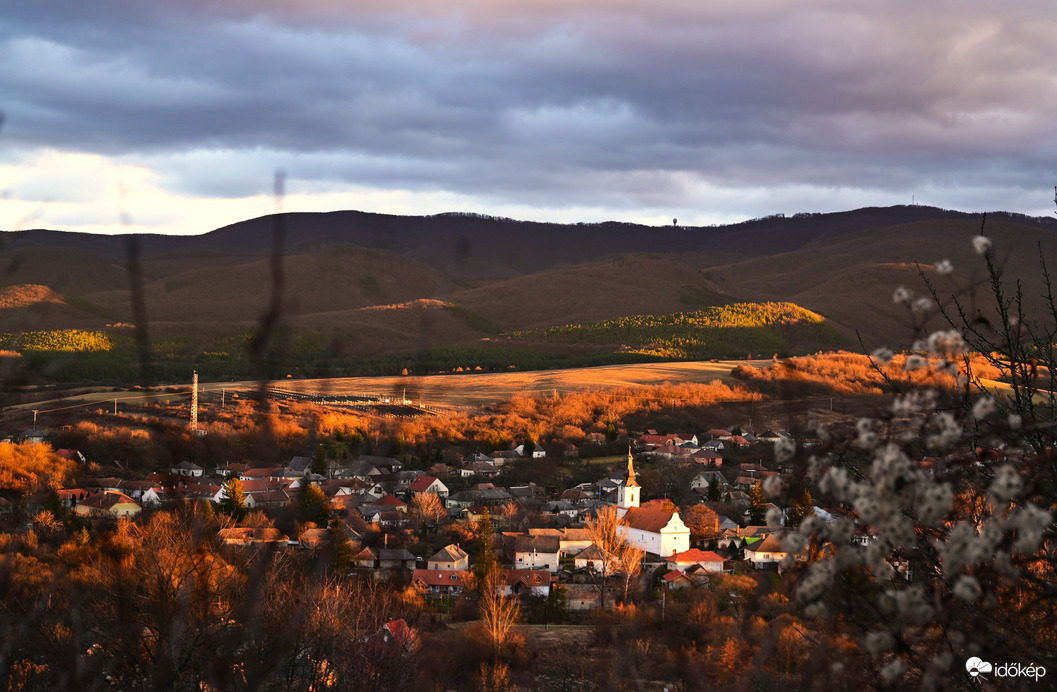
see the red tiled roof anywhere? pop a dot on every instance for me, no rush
(650, 520)
(422, 484)
(107, 499)
(388, 501)
(694, 555)
(441, 577)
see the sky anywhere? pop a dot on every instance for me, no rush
(176, 117)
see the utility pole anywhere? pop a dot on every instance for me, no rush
(35, 411)
(194, 402)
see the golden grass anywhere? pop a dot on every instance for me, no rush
(27, 295)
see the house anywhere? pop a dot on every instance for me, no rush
(734, 536)
(533, 452)
(442, 582)
(767, 552)
(231, 469)
(703, 479)
(396, 558)
(536, 552)
(254, 474)
(570, 541)
(143, 492)
(451, 558)
(675, 580)
(705, 559)
(479, 497)
(592, 558)
(654, 531)
(33, 436)
(562, 507)
(708, 457)
(384, 558)
(428, 484)
(580, 598)
(517, 582)
(186, 468)
(108, 503)
(485, 469)
(71, 496)
(366, 558)
(386, 503)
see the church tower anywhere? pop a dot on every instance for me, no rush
(628, 494)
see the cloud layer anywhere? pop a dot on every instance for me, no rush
(178, 113)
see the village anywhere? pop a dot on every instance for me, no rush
(407, 525)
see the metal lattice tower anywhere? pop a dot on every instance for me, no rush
(194, 401)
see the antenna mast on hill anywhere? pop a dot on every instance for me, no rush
(194, 402)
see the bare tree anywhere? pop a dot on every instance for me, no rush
(498, 612)
(426, 508)
(616, 554)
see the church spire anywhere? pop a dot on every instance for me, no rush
(631, 471)
(628, 494)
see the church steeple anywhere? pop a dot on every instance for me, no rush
(628, 494)
(631, 471)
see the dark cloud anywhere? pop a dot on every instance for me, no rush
(543, 104)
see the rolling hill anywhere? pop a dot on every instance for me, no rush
(381, 288)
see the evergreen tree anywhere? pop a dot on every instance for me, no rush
(234, 501)
(312, 505)
(757, 505)
(487, 561)
(342, 546)
(319, 461)
(713, 490)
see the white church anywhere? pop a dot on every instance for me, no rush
(655, 531)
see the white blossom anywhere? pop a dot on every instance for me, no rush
(893, 670)
(967, 588)
(944, 267)
(772, 485)
(934, 500)
(1006, 486)
(947, 431)
(1030, 522)
(882, 356)
(921, 305)
(817, 580)
(1014, 420)
(784, 450)
(962, 549)
(946, 342)
(984, 407)
(793, 543)
(981, 244)
(914, 363)
(878, 641)
(775, 518)
(865, 429)
(945, 366)
(902, 295)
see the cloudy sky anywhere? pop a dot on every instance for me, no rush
(174, 116)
